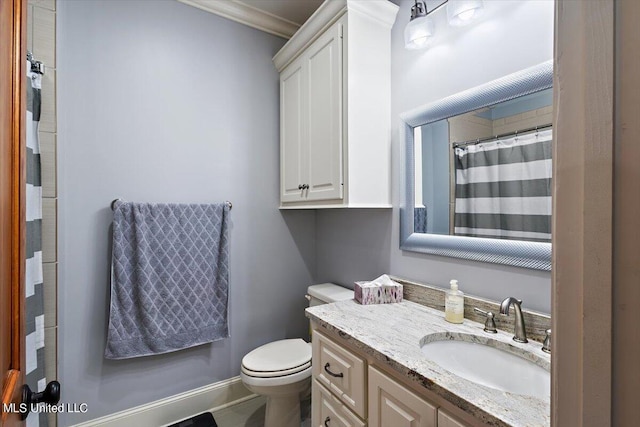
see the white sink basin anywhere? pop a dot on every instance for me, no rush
(490, 366)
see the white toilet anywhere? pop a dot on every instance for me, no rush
(281, 370)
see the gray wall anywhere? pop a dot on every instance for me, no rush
(159, 101)
(361, 244)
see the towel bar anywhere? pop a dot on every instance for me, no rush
(113, 204)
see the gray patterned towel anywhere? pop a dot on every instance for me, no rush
(170, 278)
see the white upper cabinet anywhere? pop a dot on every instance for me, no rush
(293, 152)
(324, 66)
(335, 107)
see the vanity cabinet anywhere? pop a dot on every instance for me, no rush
(349, 390)
(391, 404)
(331, 411)
(446, 420)
(335, 107)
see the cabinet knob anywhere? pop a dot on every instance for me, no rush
(305, 186)
(300, 187)
(326, 421)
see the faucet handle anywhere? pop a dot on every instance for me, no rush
(546, 345)
(490, 323)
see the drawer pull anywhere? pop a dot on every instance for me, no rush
(326, 368)
(326, 421)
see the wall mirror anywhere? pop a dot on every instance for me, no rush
(477, 178)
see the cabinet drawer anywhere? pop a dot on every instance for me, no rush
(341, 371)
(328, 411)
(393, 405)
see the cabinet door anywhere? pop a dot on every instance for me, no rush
(446, 420)
(294, 153)
(393, 405)
(324, 71)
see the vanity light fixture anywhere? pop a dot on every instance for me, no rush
(420, 30)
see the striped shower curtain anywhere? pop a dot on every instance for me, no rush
(503, 188)
(33, 280)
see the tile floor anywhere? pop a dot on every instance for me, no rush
(251, 414)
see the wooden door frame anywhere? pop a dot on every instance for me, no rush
(596, 235)
(626, 219)
(13, 18)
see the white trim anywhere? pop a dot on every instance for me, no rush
(417, 176)
(240, 12)
(329, 12)
(310, 205)
(179, 407)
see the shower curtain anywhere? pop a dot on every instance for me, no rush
(35, 377)
(503, 188)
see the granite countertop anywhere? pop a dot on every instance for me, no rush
(392, 335)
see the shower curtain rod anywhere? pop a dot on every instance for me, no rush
(113, 203)
(495, 137)
(36, 66)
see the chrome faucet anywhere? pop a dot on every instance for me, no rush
(546, 345)
(520, 335)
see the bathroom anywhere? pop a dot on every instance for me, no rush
(161, 101)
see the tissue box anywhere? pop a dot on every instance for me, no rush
(378, 291)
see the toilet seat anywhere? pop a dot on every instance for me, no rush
(271, 382)
(281, 373)
(278, 362)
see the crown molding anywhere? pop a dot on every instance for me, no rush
(382, 11)
(240, 12)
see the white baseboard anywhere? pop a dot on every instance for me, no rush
(181, 406)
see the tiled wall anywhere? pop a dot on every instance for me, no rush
(468, 126)
(41, 41)
(528, 119)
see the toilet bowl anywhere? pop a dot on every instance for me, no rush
(281, 370)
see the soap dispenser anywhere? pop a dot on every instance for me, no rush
(454, 304)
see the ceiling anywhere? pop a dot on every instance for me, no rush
(297, 11)
(279, 17)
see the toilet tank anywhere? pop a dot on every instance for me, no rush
(325, 293)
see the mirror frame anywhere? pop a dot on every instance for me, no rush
(518, 253)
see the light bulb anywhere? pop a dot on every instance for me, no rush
(467, 15)
(418, 33)
(419, 30)
(462, 12)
